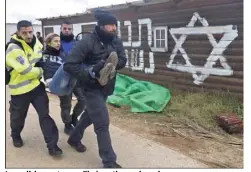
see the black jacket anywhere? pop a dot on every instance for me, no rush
(90, 51)
(51, 61)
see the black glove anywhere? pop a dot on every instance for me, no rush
(97, 67)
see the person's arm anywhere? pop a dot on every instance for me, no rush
(75, 59)
(121, 55)
(15, 58)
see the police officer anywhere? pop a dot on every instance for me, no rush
(102, 53)
(22, 55)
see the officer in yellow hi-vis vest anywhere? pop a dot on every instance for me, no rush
(22, 58)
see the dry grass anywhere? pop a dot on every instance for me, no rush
(196, 109)
(201, 108)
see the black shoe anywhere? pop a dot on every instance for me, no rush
(18, 142)
(79, 147)
(112, 165)
(68, 129)
(56, 151)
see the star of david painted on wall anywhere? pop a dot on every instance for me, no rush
(229, 32)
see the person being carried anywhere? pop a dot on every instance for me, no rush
(102, 54)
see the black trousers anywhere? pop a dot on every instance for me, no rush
(19, 106)
(96, 113)
(65, 104)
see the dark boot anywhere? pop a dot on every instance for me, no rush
(112, 165)
(79, 147)
(68, 128)
(18, 142)
(56, 151)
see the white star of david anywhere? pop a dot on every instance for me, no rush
(230, 33)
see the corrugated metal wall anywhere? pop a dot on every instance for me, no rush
(204, 43)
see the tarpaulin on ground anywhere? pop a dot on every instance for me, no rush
(141, 96)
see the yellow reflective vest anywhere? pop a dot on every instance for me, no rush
(24, 76)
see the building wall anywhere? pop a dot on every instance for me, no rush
(191, 45)
(12, 28)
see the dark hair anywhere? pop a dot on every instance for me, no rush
(66, 22)
(39, 33)
(23, 23)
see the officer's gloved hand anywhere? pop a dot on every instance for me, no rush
(97, 67)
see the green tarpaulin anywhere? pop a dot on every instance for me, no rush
(141, 96)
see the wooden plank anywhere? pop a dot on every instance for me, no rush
(169, 76)
(170, 79)
(204, 10)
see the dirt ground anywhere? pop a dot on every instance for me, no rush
(213, 147)
(215, 150)
(130, 148)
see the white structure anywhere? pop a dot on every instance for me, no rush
(12, 28)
